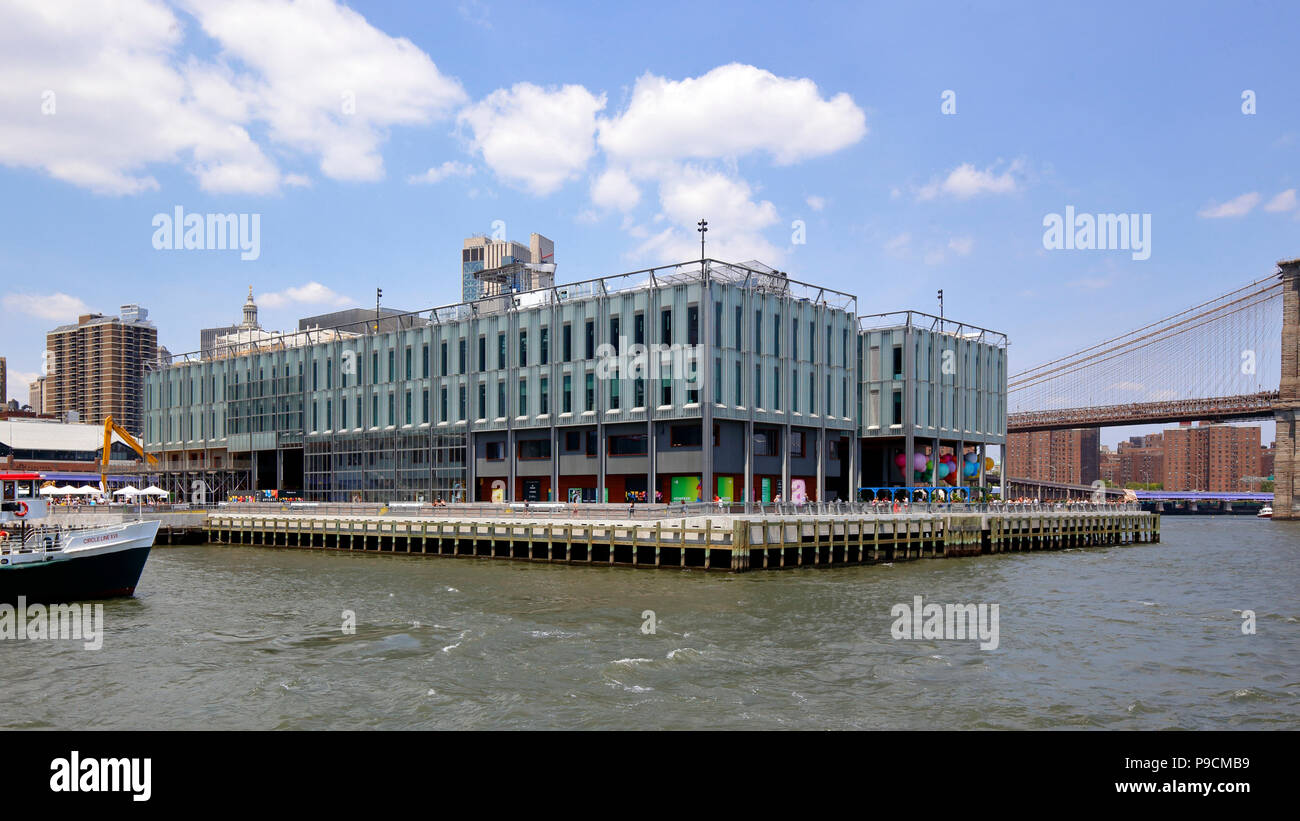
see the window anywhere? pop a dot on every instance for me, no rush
(739, 330)
(613, 394)
(329, 373)
(812, 393)
(590, 338)
(462, 357)
(424, 361)
(591, 392)
(613, 335)
(442, 404)
(523, 397)
(544, 397)
(392, 366)
(666, 390)
(496, 451)
(666, 326)
(638, 325)
(591, 443)
(361, 422)
(693, 324)
(717, 380)
(392, 408)
(794, 389)
(898, 362)
(408, 408)
(482, 400)
(343, 415)
(501, 397)
(629, 445)
(685, 436)
(776, 387)
(523, 349)
(535, 449)
(566, 395)
(313, 378)
(638, 393)
(463, 415)
(717, 324)
(572, 441)
(408, 363)
(776, 335)
(740, 400)
(443, 371)
(501, 351)
(566, 342)
(797, 443)
(794, 338)
(546, 345)
(829, 406)
(482, 353)
(765, 441)
(374, 411)
(897, 417)
(812, 341)
(758, 386)
(758, 331)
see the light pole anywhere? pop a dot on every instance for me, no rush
(378, 293)
(703, 229)
(941, 303)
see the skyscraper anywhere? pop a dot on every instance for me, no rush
(482, 253)
(96, 367)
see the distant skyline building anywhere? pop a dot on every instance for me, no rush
(482, 253)
(208, 336)
(1210, 457)
(4, 376)
(1066, 456)
(37, 395)
(97, 366)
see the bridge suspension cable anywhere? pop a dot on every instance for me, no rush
(1228, 346)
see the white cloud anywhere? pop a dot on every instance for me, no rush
(450, 168)
(962, 245)
(898, 246)
(313, 293)
(966, 181)
(297, 180)
(934, 257)
(126, 96)
(736, 220)
(815, 202)
(1284, 201)
(18, 384)
(57, 307)
(535, 136)
(1237, 207)
(731, 111)
(615, 189)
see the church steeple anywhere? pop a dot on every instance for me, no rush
(250, 310)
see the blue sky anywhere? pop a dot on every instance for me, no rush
(611, 128)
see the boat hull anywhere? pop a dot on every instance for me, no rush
(97, 564)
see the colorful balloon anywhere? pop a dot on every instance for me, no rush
(900, 459)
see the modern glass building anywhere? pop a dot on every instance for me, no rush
(683, 382)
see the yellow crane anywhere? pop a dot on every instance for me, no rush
(111, 427)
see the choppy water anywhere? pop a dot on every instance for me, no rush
(1123, 638)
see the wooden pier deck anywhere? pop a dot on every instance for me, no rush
(721, 543)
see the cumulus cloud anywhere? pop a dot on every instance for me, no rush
(450, 168)
(1236, 207)
(615, 189)
(57, 307)
(94, 94)
(961, 245)
(1284, 201)
(898, 245)
(730, 111)
(537, 137)
(815, 202)
(966, 181)
(313, 293)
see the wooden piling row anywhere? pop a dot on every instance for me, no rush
(747, 544)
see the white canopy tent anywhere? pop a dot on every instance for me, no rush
(48, 490)
(127, 491)
(87, 490)
(154, 490)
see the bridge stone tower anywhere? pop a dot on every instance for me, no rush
(1286, 469)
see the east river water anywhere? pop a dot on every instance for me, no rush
(1141, 637)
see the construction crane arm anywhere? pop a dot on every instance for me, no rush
(111, 427)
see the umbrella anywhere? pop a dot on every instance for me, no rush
(154, 490)
(65, 490)
(87, 490)
(127, 491)
(48, 490)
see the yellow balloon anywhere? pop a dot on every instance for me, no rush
(988, 463)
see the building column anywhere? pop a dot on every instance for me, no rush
(785, 463)
(555, 462)
(749, 464)
(821, 463)
(704, 371)
(471, 477)
(510, 460)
